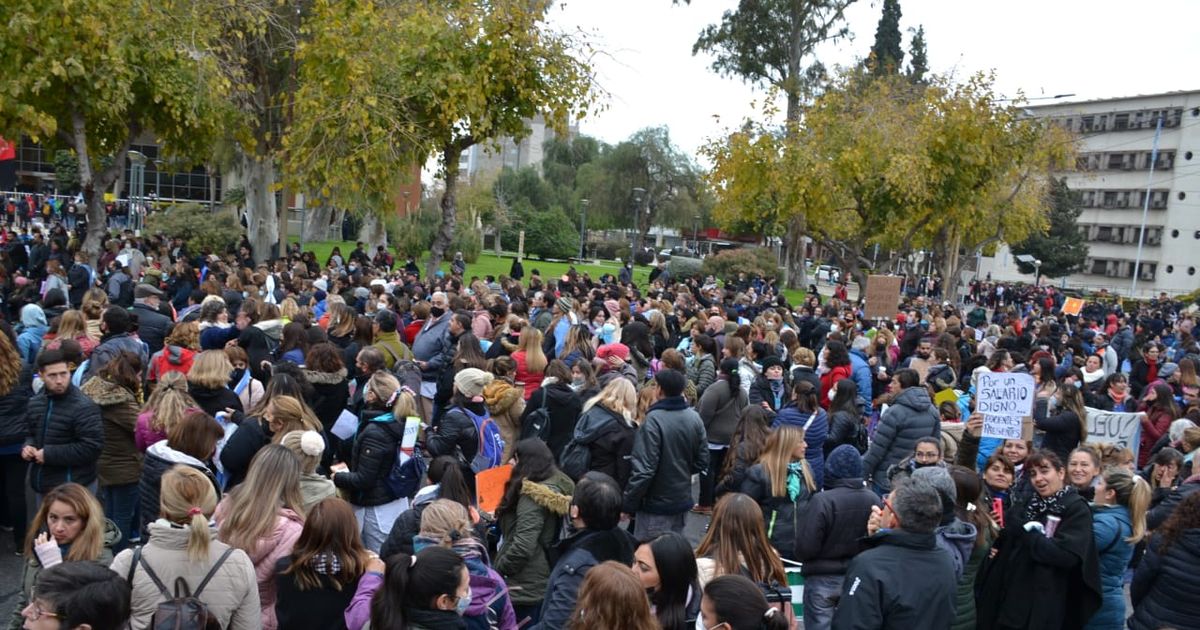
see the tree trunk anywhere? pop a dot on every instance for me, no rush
(797, 267)
(94, 184)
(449, 206)
(316, 223)
(951, 263)
(258, 177)
(211, 171)
(284, 216)
(372, 231)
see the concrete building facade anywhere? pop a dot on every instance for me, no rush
(1113, 179)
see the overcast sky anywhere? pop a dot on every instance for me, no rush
(1091, 48)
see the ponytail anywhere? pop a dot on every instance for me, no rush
(415, 582)
(446, 471)
(729, 367)
(187, 497)
(198, 538)
(1132, 492)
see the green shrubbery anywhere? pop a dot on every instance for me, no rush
(198, 226)
(753, 261)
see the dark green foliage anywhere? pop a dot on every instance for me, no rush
(753, 261)
(886, 54)
(682, 268)
(1062, 249)
(918, 63)
(199, 227)
(66, 172)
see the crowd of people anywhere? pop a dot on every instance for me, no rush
(192, 438)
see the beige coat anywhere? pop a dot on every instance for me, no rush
(231, 595)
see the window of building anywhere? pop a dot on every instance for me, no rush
(1121, 121)
(1191, 271)
(1110, 199)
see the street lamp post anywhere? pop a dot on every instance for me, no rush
(137, 185)
(696, 233)
(583, 206)
(638, 194)
(1037, 272)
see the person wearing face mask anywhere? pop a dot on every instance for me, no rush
(427, 591)
(1044, 570)
(431, 349)
(387, 340)
(769, 389)
(733, 602)
(836, 366)
(928, 452)
(911, 416)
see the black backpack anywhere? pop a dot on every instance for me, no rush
(537, 423)
(184, 610)
(125, 294)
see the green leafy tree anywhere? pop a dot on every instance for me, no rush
(887, 56)
(918, 64)
(1061, 248)
(66, 172)
(92, 75)
(199, 227)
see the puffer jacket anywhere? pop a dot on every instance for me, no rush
(456, 433)
(213, 400)
(505, 402)
(814, 435)
(564, 407)
(781, 516)
(491, 601)
(1111, 526)
(720, 410)
(964, 597)
(1164, 587)
(832, 524)
(120, 460)
(668, 449)
(374, 452)
(432, 345)
(170, 359)
(231, 595)
(267, 552)
(112, 345)
(70, 432)
(609, 438)
(13, 426)
(843, 429)
(331, 392)
(153, 327)
(528, 529)
(702, 373)
(406, 526)
(577, 555)
(160, 458)
(911, 417)
(32, 567)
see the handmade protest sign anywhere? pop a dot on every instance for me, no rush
(1119, 429)
(883, 294)
(489, 487)
(1004, 399)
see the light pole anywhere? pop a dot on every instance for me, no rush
(638, 194)
(583, 206)
(137, 185)
(696, 233)
(1037, 271)
(158, 164)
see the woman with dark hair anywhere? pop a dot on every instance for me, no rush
(1066, 427)
(1158, 405)
(445, 481)
(327, 374)
(837, 367)
(294, 343)
(636, 336)
(428, 591)
(468, 354)
(1164, 586)
(702, 372)
(315, 582)
(666, 567)
(745, 446)
(536, 498)
(1145, 369)
(117, 389)
(1042, 371)
(969, 507)
(845, 418)
(736, 602)
(720, 406)
(1044, 571)
(563, 404)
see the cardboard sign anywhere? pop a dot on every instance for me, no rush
(883, 296)
(946, 395)
(489, 487)
(1120, 429)
(1072, 306)
(1004, 399)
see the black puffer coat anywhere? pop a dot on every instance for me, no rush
(70, 433)
(373, 455)
(251, 435)
(13, 428)
(215, 400)
(564, 405)
(610, 445)
(781, 516)
(159, 459)
(331, 392)
(1165, 585)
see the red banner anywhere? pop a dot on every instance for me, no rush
(8, 151)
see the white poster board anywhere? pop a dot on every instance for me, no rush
(1004, 399)
(1120, 429)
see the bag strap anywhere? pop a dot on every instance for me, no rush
(153, 576)
(137, 555)
(211, 572)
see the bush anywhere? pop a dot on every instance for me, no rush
(683, 268)
(548, 233)
(413, 235)
(467, 240)
(199, 227)
(752, 261)
(609, 250)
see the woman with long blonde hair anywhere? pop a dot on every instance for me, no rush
(781, 482)
(94, 303)
(264, 517)
(73, 325)
(531, 361)
(182, 545)
(69, 527)
(607, 428)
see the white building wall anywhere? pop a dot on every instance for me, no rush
(1118, 160)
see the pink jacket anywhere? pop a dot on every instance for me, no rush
(288, 526)
(143, 435)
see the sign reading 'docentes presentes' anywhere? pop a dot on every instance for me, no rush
(1004, 399)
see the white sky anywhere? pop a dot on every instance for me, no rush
(1091, 48)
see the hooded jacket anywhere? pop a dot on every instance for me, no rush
(70, 433)
(331, 392)
(911, 417)
(112, 345)
(577, 555)
(32, 567)
(529, 528)
(120, 460)
(231, 595)
(153, 327)
(506, 403)
(160, 458)
(266, 553)
(374, 452)
(831, 526)
(33, 328)
(814, 435)
(170, 359)
(608, 436)
(1111, 526)
(406, 526)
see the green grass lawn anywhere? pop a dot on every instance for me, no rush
(493, 265)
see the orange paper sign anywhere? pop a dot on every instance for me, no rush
(1072, 306)
(489, 487)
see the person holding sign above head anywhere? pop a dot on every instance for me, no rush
(1066, 427)
(1043, 571)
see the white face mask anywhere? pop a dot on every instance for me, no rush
(382, 306)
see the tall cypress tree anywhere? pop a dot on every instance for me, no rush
(887, 54)
(918, 63)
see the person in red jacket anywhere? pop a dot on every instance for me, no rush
(836, 360)
(1159, 406)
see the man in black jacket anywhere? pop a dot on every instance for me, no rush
(829, 531)
(65, 434)
(80, 278)
(903, 580)
(153, 327)
(670, 447)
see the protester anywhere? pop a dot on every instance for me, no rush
(1083, 471)
(315, 583)
(555, 396)
(782, 484)
(309, 447)
(736, 602)
(611, 596)
(1066, 428)
(78, 595)
(15, 394)
(1165, 581)
(191, 442)
(448, 524)
(65, 431)
(428, 590)
(745, 447)
(505, 401)
(117, 389)
(605, 431)
(445, 481)
(1119, 523)
(666, 568)
(803, 412)
(911, 417)
(970, 507)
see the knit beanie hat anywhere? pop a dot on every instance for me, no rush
(843, 462)
(613, 349)
(471, 381)
(566, 304)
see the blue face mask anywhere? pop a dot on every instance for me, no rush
(463, 603)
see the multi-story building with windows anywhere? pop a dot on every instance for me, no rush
(1116, 189)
